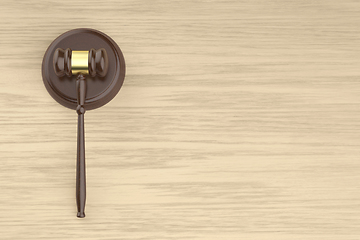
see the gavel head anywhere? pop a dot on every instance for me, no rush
(92, 62)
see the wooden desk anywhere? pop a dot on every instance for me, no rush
(237, 120)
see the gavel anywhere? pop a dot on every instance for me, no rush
(81, 63)
(83, 69)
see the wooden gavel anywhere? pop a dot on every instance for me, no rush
(67, 63)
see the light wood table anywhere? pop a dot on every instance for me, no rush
(236, 120)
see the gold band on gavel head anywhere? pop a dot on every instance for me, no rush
(79, 62)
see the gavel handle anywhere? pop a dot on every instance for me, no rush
(80, 168)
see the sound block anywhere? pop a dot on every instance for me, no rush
(100, 90)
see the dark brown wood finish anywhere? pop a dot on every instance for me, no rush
(101, 89)
(80, 163)
(96, 89)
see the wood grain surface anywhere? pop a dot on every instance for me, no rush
(236, 120)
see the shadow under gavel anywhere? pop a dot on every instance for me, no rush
(81, 63)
